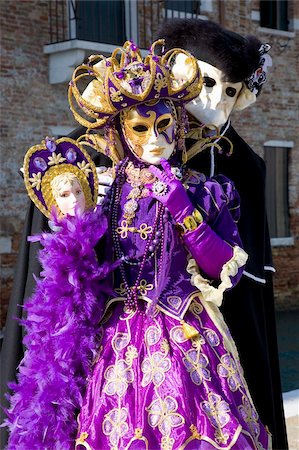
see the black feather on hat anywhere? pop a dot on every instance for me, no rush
(236, 56)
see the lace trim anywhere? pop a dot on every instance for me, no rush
(229, 269)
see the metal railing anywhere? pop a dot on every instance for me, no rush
(113, 22)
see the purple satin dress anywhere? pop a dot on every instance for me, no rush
(151, 387)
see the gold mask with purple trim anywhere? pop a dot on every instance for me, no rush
(150, 130)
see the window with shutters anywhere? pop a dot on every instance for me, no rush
(274, 14)
(277, 198)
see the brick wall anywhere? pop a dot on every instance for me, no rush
(31, 107)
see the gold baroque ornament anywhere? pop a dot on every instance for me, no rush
(36, 180)
(144, 230)
(55, 159)
(102, 88)
(43, 162)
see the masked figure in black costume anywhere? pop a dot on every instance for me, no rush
(234, 69)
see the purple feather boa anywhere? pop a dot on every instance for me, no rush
(61, 336)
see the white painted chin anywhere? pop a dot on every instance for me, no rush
(149, 157)
(209, 117)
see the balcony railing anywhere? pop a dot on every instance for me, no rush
(79, 28)
(113, 22)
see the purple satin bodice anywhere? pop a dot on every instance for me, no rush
(214, 201)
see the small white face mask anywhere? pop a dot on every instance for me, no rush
(217, 98)
(70, 196)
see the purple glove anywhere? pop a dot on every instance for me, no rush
(170, 191)
(208, 249)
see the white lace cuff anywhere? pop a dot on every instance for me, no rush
(230, 269)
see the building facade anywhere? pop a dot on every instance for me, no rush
(42, 42)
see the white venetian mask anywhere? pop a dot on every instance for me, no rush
(217, 98)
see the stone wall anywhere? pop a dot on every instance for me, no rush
(31, 107)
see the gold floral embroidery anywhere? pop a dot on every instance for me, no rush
(196, 309)
(197, 342)
(131, 354)
(152, 335)
(162, 414)
(160, 82)
(118, 377)
(196, 364)
(115, 426)
(144, 230)
(123, 229)
(115, 95)
(144, 287)
(228, 369)
(121, 290)
(250, 416)
(55, 159)
(177, 334)
(167, 443)
(120, 341)
(221, 437)
(36, 180)
(85, 167)
(154, 368)
(217, 410)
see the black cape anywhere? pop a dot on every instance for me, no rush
(248, 308)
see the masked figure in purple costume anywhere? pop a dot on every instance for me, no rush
(165, 372)
(234, 69)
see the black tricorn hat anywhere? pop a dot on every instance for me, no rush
(236, 56)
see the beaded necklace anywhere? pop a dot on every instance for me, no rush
(154, 242)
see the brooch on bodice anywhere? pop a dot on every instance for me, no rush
(137, 178)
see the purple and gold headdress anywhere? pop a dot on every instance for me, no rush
(43, 162)
(110, 85)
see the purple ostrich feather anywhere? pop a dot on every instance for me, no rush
(62, 326)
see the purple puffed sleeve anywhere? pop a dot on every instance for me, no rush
(215, 242)
(231, 194)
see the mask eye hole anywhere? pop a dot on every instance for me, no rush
(140, 128)
(209, 82)
(230, 91)
(163, 124)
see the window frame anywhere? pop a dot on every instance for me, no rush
(284, 146)
(277, 9)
